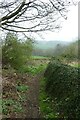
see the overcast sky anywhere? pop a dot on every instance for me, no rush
(69, 30)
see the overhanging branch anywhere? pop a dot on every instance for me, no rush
(41, 15)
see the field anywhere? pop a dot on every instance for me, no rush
(40, 57)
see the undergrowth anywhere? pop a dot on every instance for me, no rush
(33, 69)
(15, 105)
(45, 103)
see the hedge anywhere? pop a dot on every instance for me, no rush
(62, 85)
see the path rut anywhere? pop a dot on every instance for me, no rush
(32, 103)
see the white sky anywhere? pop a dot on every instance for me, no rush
(69, 30)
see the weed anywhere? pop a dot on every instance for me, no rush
(23, 69)
(36, 69)
(18, 107)
(22, 88)
(22, 97)
(5, 105)
(10, 105)
(45, 103)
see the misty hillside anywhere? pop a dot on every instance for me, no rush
(49, 44)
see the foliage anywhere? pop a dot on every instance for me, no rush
(62, 85)
(59, 49)
(22, 88)
(27, 48)
(9, 105)
(68, 50)
(36, 69)
(15, 96)
(15, 53)
(12, 53)
(71, 51)
(31, 69)
(45, 102)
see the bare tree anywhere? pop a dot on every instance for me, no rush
(31, 15)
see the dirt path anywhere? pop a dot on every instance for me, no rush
(32, 103)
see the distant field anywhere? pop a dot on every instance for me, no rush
(37, 60)
(39, 57)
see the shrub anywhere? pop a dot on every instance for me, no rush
(11, 52)
(62, 82)
(15, 53)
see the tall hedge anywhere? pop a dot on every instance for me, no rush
(62, 84)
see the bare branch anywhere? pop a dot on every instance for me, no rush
(31, 15)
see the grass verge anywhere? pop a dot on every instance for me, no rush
(33, 70)
(45, 103)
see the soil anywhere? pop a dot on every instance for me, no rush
(31, 104)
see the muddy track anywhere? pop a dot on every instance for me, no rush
(32, 103)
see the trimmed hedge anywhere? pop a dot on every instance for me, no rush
(62, 84)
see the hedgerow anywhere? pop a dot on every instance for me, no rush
(62, 85)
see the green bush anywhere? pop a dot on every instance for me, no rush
(62, 82)
(12, 54)
(15, 54)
